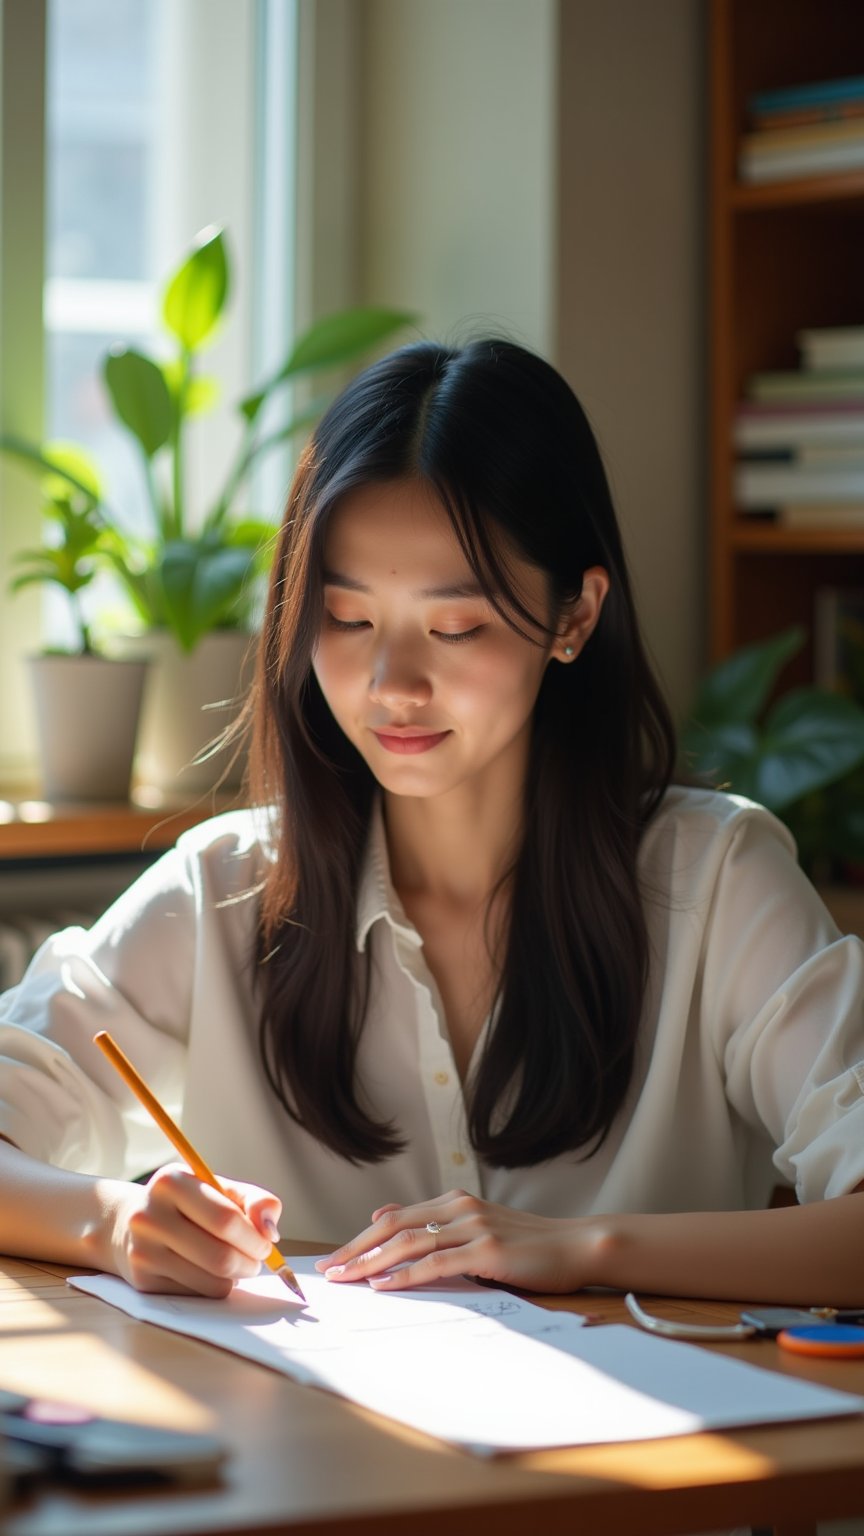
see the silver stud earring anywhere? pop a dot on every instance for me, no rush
(569, 651)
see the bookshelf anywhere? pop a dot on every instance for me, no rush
(784, 255)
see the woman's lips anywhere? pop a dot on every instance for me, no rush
(405, 744)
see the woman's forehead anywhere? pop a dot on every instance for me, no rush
(400, 534)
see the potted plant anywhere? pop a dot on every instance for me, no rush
(87, 704)
(802, 756)
(191, 577)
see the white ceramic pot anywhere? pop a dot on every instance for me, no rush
(189, 700)
(87, 715)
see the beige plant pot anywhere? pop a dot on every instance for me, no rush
(87, 715)
(189, 700)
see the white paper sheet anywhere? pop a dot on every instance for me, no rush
(479, 1367)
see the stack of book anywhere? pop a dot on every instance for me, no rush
(799, 436)
(805, 130)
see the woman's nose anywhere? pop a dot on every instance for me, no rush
(399, 679)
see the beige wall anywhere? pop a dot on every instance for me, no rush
(458, 163)
(630, 296)
(534, 166)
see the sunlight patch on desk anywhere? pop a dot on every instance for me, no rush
(29, 1314)
(690, 1461)
(82, 1368)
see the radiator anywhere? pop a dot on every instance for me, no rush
(41, 899)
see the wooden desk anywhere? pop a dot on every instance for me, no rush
(305, 1462)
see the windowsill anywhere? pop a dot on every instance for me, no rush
(31, 828)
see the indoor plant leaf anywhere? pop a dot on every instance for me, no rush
(140, 397)
(725, 753)
(53, 461)
(810, 739)
(200, 585)
(195, 295)
(738, 687)
(332, 341)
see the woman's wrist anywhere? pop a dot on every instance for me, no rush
(593, 1244)
(99, 1225)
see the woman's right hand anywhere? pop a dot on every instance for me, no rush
(177, 1235)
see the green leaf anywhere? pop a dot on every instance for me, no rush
(202, 394)
(298, 423)
(343, 335)
(330, 342)
(737, 688)
(726, 754)
(201, 586)
(48, 465)
(195, 296)
(140, 397)
(811, 739)
(71, 460)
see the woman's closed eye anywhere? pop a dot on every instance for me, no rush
(451, 637)
(460, 636)
(346, 624)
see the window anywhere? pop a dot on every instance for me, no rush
(104, 99)
(162, 116)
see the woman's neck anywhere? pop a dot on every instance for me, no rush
(454, 847)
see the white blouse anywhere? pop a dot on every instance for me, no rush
(749, 1071)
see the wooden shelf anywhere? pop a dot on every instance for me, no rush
(773, 539)
(808, 192)
(784, 256)
(35, 829)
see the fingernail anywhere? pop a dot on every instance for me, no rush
(379, 1281)
(270, 1229)
(334, 1271)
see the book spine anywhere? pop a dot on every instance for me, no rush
(800, 117)
(792, 385)
(754, 166)
(788, 429)
(832, 348)
(765, 486)
(821, 515)
(770, 140)
(814, 93)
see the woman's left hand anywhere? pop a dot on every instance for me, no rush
(457, 1234)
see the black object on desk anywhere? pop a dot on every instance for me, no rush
(56, 1440)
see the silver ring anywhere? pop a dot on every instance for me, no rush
(434, 1227)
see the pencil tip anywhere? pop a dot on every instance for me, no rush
(291, 1282)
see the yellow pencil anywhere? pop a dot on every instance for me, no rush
(121, 1061)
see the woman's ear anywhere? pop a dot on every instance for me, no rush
(579, 618)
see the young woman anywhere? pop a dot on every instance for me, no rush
(472, 988)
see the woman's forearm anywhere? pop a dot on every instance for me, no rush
(49, 1213)
(805, 1255)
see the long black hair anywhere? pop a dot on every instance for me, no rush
(502, 441)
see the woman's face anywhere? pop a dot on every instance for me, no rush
(425, 678)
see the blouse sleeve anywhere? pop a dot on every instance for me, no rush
(132, 974)
(784, 1002)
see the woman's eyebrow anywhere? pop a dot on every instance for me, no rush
(446, 593)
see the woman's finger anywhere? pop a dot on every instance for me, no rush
(263, 1209)
(182, 1223)
(390, 1220)
(386, 1233)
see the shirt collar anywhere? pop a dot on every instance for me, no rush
(376, 896)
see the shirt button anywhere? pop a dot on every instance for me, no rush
(458, 1158)
(442, 1077)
